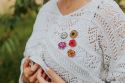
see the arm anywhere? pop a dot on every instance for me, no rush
(32, 47)
(112, 21)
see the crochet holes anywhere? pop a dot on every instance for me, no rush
(64, 74)
(93, 37)
(122, 65)
(121, 37)
(92, 62)
(123, 45)
(107, 59)
(102, 43)
(121, 31)
(78, 14)
(98, 7)
(109, 30)
(68, 77)
(73, 80)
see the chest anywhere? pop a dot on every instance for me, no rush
(72, 37)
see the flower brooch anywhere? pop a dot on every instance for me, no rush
(72, 43)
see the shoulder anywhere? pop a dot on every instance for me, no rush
(110, 5)
(45, 10)
(110, 9)
(47, 6)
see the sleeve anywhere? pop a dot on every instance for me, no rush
(112, 21)
(21, 69)
(33, 45)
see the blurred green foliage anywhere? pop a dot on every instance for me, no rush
(11, 50)
(14, 32)
(121, 4)
(22, 7)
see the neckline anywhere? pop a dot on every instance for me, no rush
(75, 11)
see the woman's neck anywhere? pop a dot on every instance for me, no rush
(69, 2)
(68, 6)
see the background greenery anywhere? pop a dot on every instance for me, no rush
(15, 29)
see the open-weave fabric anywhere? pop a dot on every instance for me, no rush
(100, 50)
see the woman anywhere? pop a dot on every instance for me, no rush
(82, 41)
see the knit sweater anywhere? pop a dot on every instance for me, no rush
(98, 46)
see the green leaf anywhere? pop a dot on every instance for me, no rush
(8, 48)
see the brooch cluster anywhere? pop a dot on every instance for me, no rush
(72, 42)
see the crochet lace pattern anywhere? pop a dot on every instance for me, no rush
(100, 50)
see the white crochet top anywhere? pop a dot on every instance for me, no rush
(100, 48)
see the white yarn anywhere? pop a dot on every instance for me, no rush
(100, 50)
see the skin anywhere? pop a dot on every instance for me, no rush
(54, 77)
(32, 74)
(68, 6)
